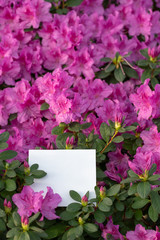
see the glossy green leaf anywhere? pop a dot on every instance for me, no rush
(75, 196)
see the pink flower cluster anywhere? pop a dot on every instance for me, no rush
(29, 202)
(140, 232)
(51, 58)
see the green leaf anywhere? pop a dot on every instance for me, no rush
(99, 216)
(29, 180)
(154, 177)
(75, 196)
(90, 227)
(144, 53)
(129, 180)
(106, 59)
(75, 232)
(131, 73)
(105, 131)
(153, 214)
(74, 127)
(130, 128)
(140, 203)
(8, 154)
(66, 216)
(11, 173)
(143, 189)
(38, 173)
(74, 207)
(2, 226)
(10, 185)
(152, 169)
(100, 144)
(34, 167)
(132, 174)
(155, 201)
(14, 164)
(11, 233)
(3, 145)
(73, 3)
(85, 125)
(142, 63)
(16, 219)
(113, 190)
(44, 106)
(107, 201)
(146, 74)
(103, 207)
(34, 217)
(118, 139)
(34, 236)
(1, 184)
(119, 76)
(154, 81)
(4, 136)
(39, 231)
(119, 206)
(2, 213)
(55, 230)
(110, 68)
(138, 214)
(57, 130)
(102, 74)
(61, 140)
(132, 190)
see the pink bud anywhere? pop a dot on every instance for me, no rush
(9, 204)
(26, 165)
(67, 141)
(84, 201)
(25, 220)
(25, 223)
(5, 202)
(102, 192)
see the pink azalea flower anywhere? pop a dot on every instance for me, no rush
(140, 23)
(113, 230)
(142, 161)
(151, 140)
(142, 101)
(33, 12)
(28, 201)
(117, 167)
(49, 203)
(141, 233)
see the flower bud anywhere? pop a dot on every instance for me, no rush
(84, 201)
(102, 192)
(26, 168)
(25, 223)
(69, 142)
(7, 206)
(80, 220)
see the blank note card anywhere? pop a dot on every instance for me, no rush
(66, 170)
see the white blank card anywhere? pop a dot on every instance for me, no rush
(66, 170)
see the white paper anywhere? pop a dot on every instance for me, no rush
(66, 170)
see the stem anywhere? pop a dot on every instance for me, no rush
(107, 66)
(109, 142)
(128, 63)
(63, 4)
(122, 69)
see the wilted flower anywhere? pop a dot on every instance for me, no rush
(102, 192)
(69, 142)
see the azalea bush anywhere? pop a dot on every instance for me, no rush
(81, 74)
